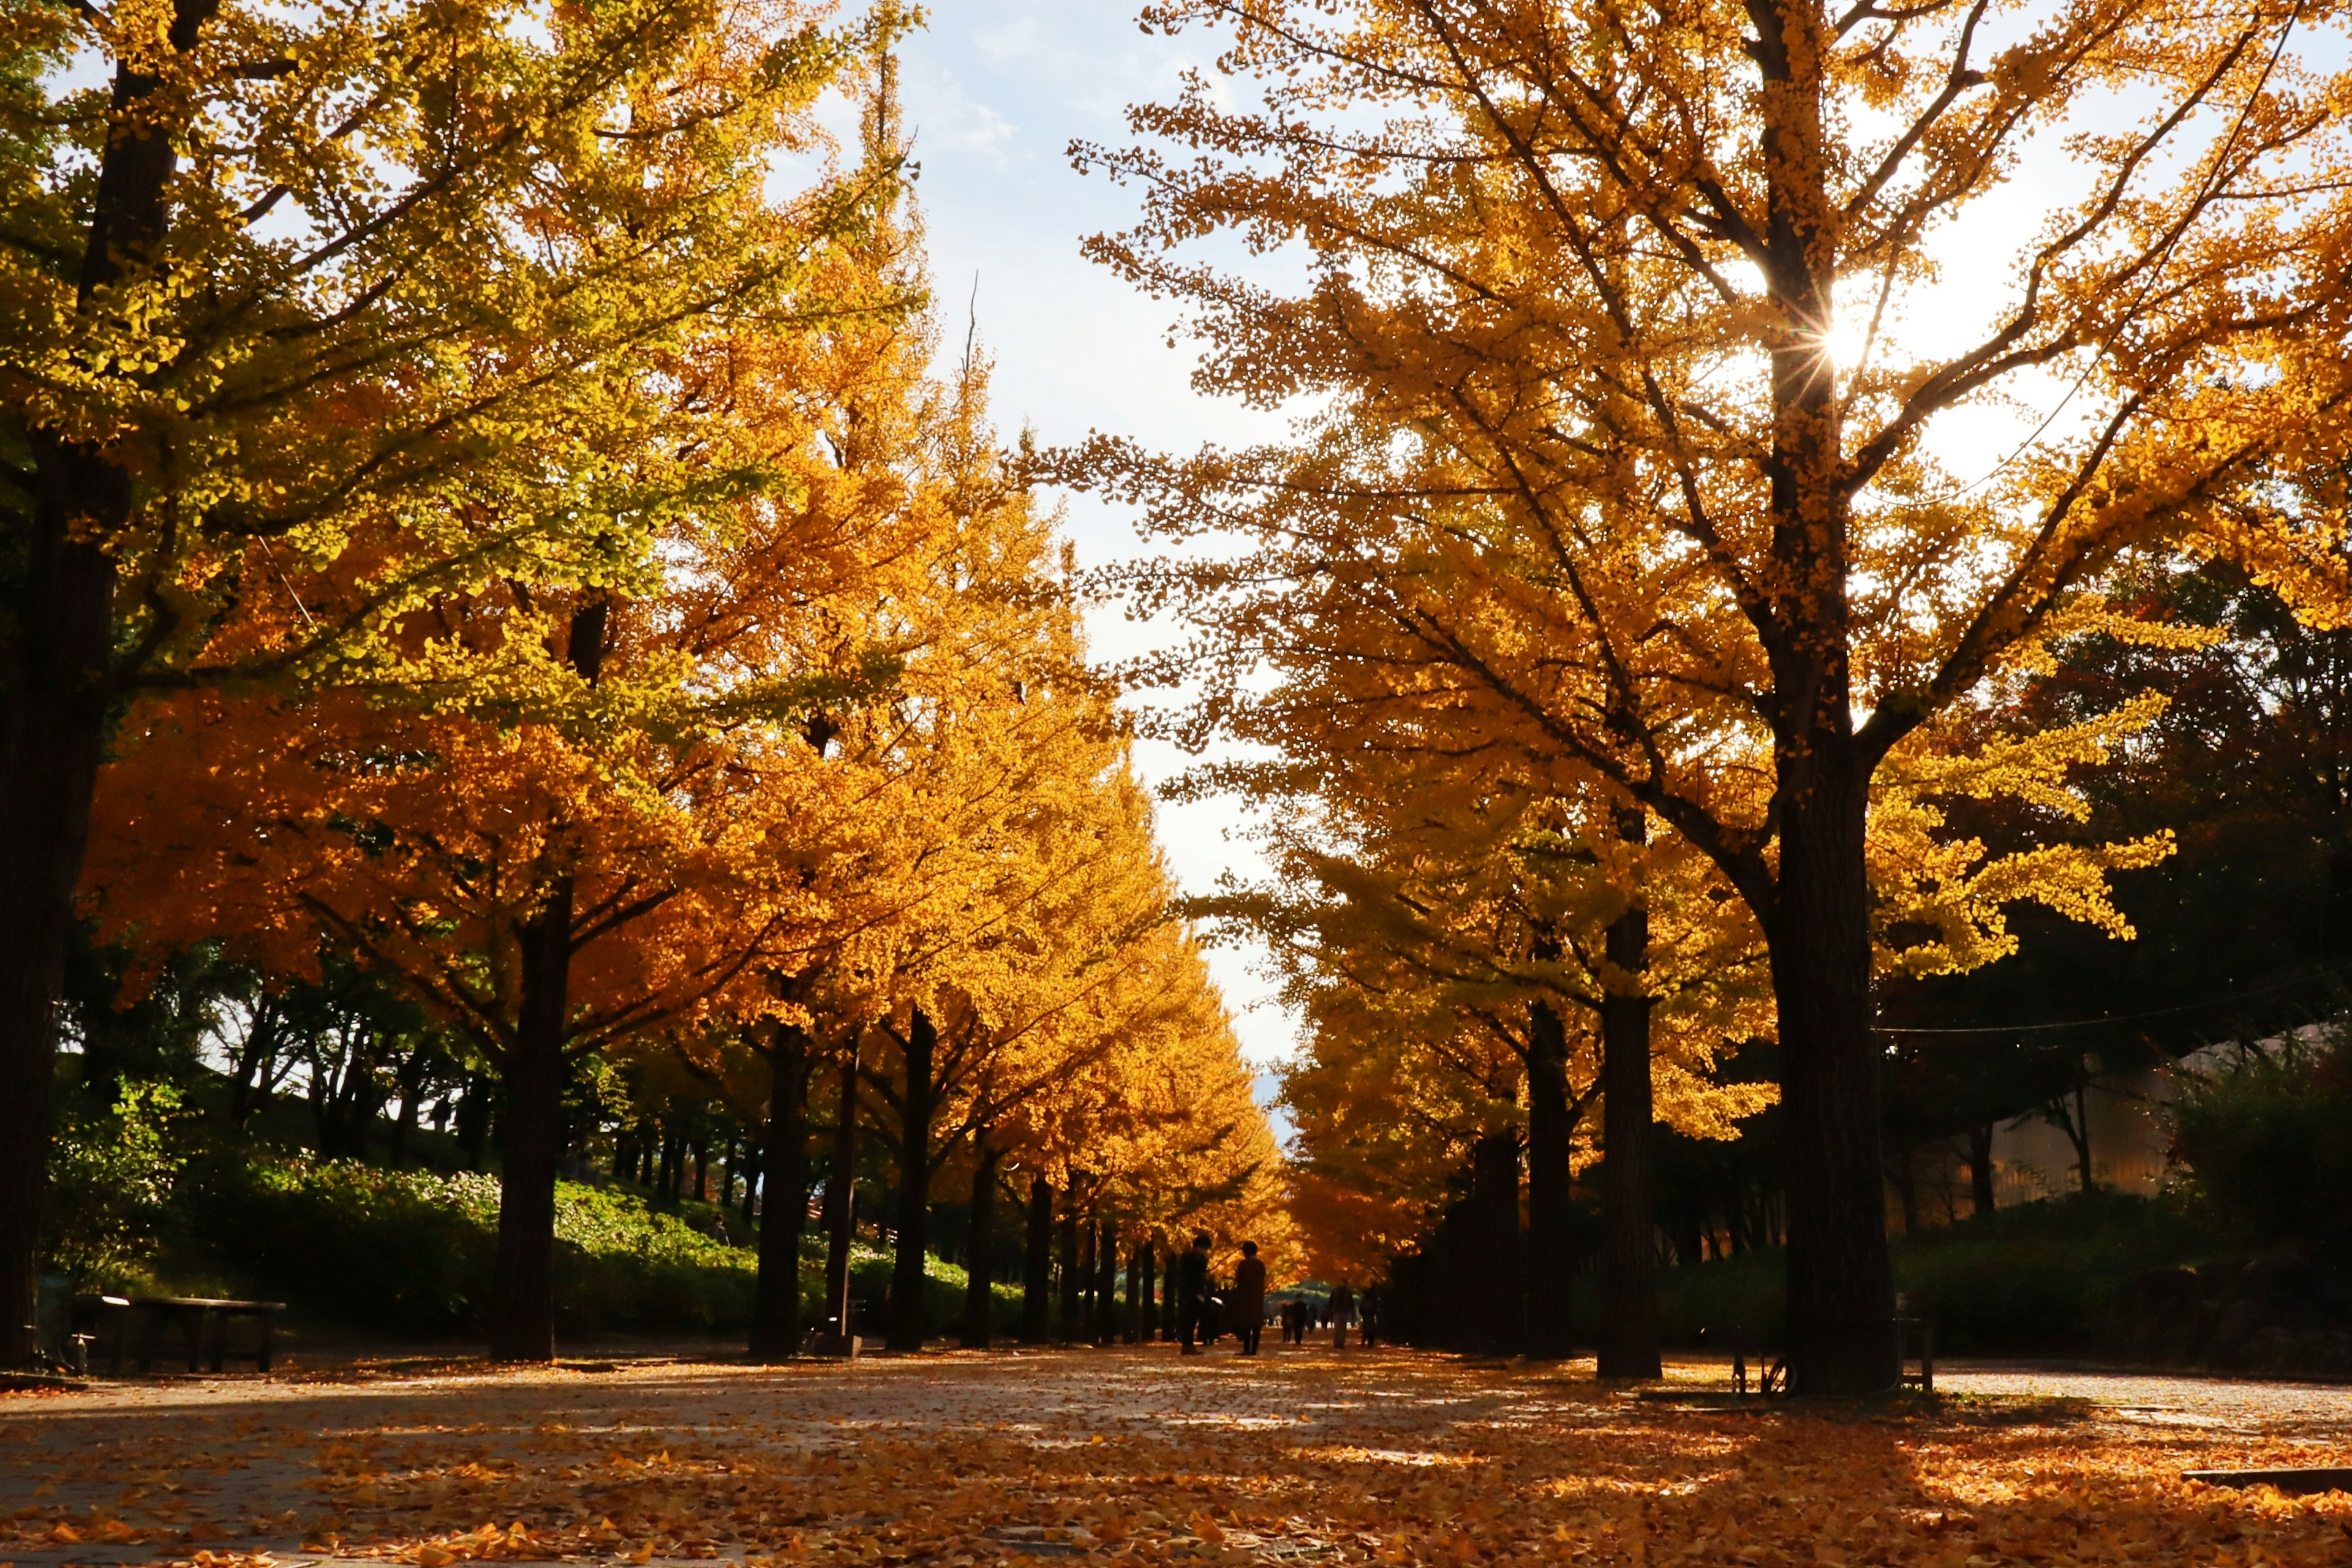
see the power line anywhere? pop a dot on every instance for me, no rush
(2123, 1017)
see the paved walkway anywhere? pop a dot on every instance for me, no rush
(1133, 1457)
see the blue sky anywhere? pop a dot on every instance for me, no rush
(992, 92)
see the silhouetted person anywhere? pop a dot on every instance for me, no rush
(1370, 1315)
(1248, 1305)
(1192, 1293)
(1343, 1306)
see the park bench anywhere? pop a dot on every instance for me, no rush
(142, 1324)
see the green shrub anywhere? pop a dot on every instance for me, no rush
(113, 1178)
(2263, 1139)
(2038, 1278)
(411, 1253)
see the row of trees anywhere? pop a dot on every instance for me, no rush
(469, 522)
(1632, 631)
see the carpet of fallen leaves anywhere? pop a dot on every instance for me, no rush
(1132, 1459)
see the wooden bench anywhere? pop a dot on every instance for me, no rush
(141, 1324)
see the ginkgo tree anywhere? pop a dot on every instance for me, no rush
(1643, 328)
(288, 286)
(566, 809)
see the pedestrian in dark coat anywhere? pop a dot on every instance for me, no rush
(1343, 1306)
(1246, 1310)
(1192, 1293)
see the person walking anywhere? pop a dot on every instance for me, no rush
(1343, 1306)
(1192, 1292)
(1248, 1305)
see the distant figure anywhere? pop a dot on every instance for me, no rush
(1246, 1310)
(1294, 1320)
(1192, 1292)
(1343, 1306)
(1370, 1315)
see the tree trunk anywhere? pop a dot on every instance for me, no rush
(522, 1286)
(1106, 1283)
(1551, 1263)
(1980, 1170)
(55, 691)
(701, 1149)
(1841, 1290)
(979, 1295)
(2082, 1133)
(841, 1198)
(1495, 1183)
(776, 1301)
(908, 1310)
(1169, 1304)
(1037, 1276)
(1068, 1326)
(1089, 1286)
(1629, 1204)
(1133, 1332)
(1147, 1265)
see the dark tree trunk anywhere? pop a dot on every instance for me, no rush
(701, 1147)
(1146, 1267)
(255, 1065)
(1037, 1276)
(776, 1301)
(56, 688)
(1068, 1326)
(1495, 1183)
(474, 1121)
(908, 1309)
(841, 1198)
(980, 1295)
(1841, 1289)
(1628, 1205)
(522, 1286)
(1551, 1263)
(1089, 1286)
(1135, 1266)
(1981, 1169)
(1107, 1284)
(1169, 1306)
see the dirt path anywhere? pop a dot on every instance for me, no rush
(1133, 1457)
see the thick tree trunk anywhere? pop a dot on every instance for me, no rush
(1629, 1208)
(1068, 1327)
(1841, 1282)
(54, 692)
(1147, 1268)
(1133, 1332)
(776, 1301)
(908, 1309)
(1495, 1185)
(522, 1286)
(1106, 1283)
(1089, 1286)
(1551, 1264)
(979, 1295)
(1980, 1170)
(1037, 1275)
(1169, 1305)
(841, 1199)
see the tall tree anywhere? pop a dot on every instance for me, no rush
(1627, 328)
(290, 281)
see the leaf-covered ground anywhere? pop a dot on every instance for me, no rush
(1132, 1457)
